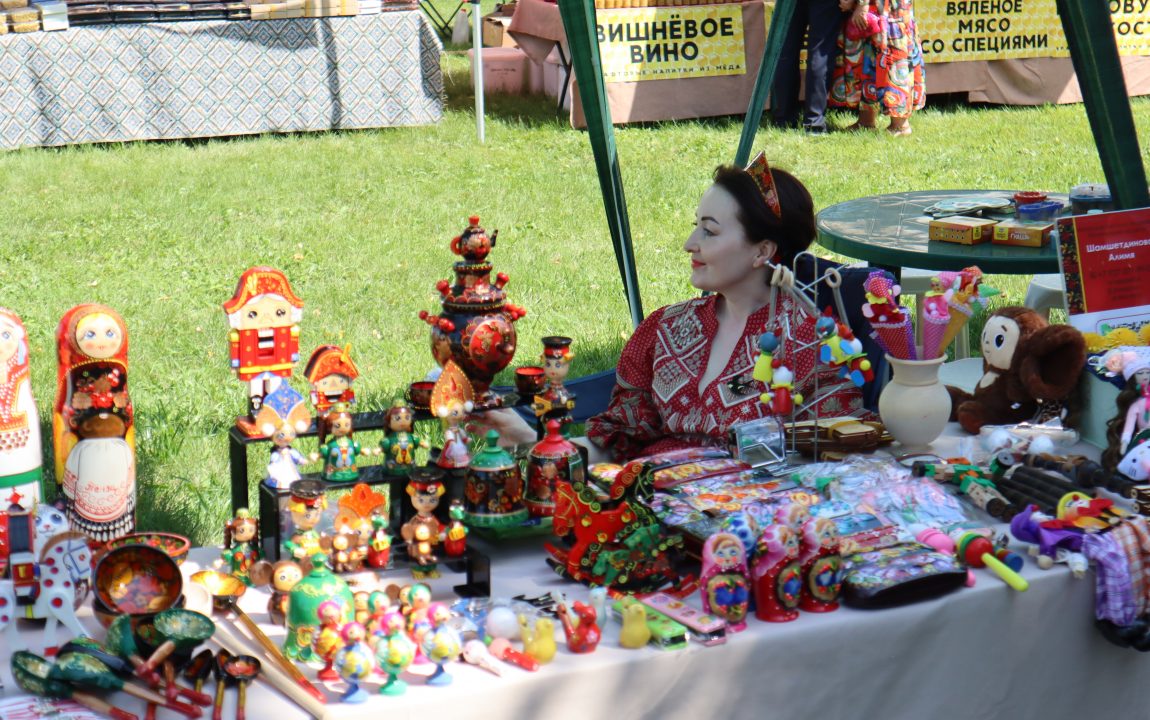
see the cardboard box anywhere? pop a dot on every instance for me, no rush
(962, 230)
(504, 70)
(495, 31)
(1021, 233)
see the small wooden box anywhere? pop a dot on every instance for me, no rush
(962, 230)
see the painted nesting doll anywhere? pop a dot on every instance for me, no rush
(92, 424)
(724, 584)
(777, 574)
(822, 566)
(20, 468)
(331, 373)
(263, 342)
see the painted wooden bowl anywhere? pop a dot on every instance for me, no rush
(138, 580)
(176, 546)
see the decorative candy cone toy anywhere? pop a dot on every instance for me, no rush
(933, 330)
(896, 338)
(959, 316)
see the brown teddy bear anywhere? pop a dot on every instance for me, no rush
(1026, 361)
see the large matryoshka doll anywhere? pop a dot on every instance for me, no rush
(724, 581)
(92, 423)
(19, 424)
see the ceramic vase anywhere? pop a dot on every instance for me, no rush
(914, 405)
(476, 327)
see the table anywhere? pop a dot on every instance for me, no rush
(538, 28)
(209, 78)
(891, 231)
(981, 652)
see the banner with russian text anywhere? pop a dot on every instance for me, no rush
(1105, 263)
(959, 30)
(671, 42)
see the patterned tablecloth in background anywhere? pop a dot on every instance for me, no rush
(209, 78)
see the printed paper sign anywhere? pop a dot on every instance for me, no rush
(1106, 262)
(671, 42)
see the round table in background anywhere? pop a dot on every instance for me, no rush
(891, 231)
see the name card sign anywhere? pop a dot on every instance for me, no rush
(1106, 266)
(671, 42)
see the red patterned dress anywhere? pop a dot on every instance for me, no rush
(657, 404)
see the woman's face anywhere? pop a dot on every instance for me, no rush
(721, 256)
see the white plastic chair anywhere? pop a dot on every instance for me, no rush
(1045, 293)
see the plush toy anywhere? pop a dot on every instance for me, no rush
(1026, 361)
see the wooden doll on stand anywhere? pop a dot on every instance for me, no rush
(556, 401)
(451, 401)
(331, 373)
(338, 447)
(241, 544)
(399, 442)
(282, 416)
(724, 584)
(263, 342)
(93, 425)
(20, 468)
(307, 503)
(422, 533)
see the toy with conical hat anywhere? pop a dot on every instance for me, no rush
(494, 488)
(399, 442)
(422, 532)
(331, 373)
(282, 416)
(93, 423)
(20, 468)
(451, 401)
(263, 343)
(476, 327)
(556, 401)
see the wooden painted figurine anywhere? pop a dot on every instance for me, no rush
(777, 574)
(422, 532)
(93, 424)
(556, 401)
(263, 343)
(307, 503)
(285, 575)
(355, 662)
(20, 468)
(331, 372)
(451, 401)
(394, 652)
(379, 548)
(328, 641)
(399, 442)
(241, 544)
(724, 583)
(341, 452)
(455, 544)
(282, 416)
(822, 565)
(441, 644)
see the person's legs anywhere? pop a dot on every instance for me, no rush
(785, 90)
(825, 24)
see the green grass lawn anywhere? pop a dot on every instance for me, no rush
(360, 222)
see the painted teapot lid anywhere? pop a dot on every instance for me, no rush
(492, 457)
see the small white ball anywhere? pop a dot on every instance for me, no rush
(502, 623)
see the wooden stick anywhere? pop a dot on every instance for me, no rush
(278, 657)
(272, 675)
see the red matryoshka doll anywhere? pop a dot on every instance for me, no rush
(331, 373)
(724, 583)
(552, 459)
(776, 574)
(263, 343)
(19, 423)
(822, 565)
(556, 401)
(93, 424)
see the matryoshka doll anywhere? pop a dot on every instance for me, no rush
(241, 544)
(556, 401)
(821, 564)
(92, 424)
(285, 575)
(776, 574)
(552, 459)
(263, 343)
(331, 373)
(20, 468)
(724, 584)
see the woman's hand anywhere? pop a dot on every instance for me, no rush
(512, 428)
(858, 17)
(847, 5)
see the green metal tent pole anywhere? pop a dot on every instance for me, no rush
(780, 21)
(582, 39)
(1094, 51)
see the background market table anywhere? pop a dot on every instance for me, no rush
(891, 231)
(211, 78)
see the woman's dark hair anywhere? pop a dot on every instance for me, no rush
(793, 232)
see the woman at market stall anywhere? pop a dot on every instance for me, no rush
(685, 376)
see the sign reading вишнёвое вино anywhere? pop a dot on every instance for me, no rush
(671, 42)
(958, 30)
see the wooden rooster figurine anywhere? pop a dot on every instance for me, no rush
(724, 584)
(581, 631)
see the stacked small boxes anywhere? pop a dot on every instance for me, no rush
(330, 8)
(22, 19)
(278, 11)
